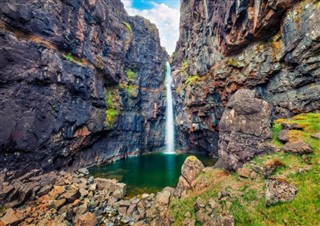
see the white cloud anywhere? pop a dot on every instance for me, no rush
(165, 18)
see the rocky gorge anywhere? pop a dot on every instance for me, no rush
(82, 84)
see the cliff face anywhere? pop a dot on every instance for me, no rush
(81, 82)
(269, 47)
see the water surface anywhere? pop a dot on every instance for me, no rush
(147, 173)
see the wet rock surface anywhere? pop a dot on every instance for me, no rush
(81, 84)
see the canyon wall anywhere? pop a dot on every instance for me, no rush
(81, 83)
(269, 47)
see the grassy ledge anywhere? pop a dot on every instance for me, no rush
(247, 201)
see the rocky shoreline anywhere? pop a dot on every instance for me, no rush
(64, 198)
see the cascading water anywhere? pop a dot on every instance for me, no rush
(169, 114)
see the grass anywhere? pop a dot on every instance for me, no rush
(71, 58)
(248, 196)
(185, 65)
(131, 90)
(111, 115)
(192, 80)
(131, 75)
(275, 130)
(128, 26)
(232, 62)
(112, 106)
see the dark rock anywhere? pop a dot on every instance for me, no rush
(279, 190)
(283, 135)
(45, 190)
(71, 195)
(270, 167)
(297, 147)
(244, 129)
(220, 48)
(55, 78)
(291, 126)
(60, 203)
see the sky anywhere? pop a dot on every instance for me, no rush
(164, 13)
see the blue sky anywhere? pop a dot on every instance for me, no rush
(164, 13)
(145, 4)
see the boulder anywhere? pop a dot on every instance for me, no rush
(316, 136)
(224, 220)
(12, 217)
(244, 129)
(87, 219)
(244, 172)
(297, 147)
(191, 168)
(270, 167)
(71, 195)
(110, 186)
(83, 171)
(279, 190)
(283, 135)
(44, 190)
(59, 203)
(291, 126)
(163, 198)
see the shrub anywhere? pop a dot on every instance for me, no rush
(128, 26)
(68, 57)
(131, 75)
(192, 79)
(111, 115)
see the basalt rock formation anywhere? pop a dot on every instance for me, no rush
(269, 47)
(81, 83)
(244, 129)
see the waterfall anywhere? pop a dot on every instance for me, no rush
(169, 114)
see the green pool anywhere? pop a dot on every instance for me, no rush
(147, 173)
